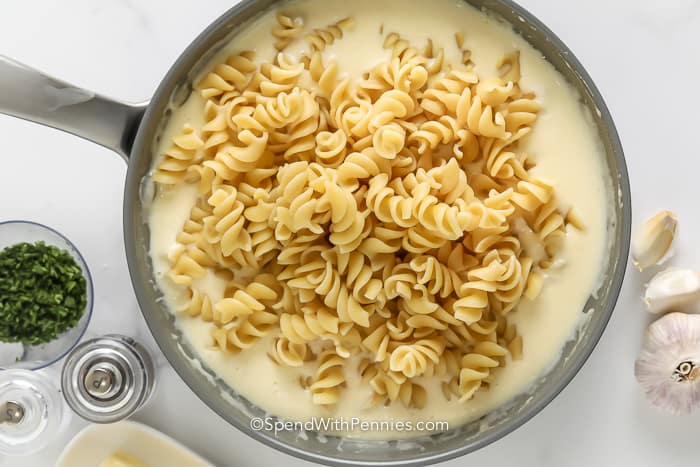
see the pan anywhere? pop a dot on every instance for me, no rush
(133, 130)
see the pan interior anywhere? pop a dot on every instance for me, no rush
(237, 410)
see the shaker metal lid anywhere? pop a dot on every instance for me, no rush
(11, 412)
(31, 411)
(107, 379)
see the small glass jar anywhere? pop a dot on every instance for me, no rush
(33, 357)
(108, 378)
(31, 412)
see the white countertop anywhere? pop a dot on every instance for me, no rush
(641, 53)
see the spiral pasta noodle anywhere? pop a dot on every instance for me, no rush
(287, 353)
(288, 28)
(234, 74)
(380, 225)
(319, 39)
(176, 160)
(327, 382)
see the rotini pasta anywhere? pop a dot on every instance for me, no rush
(327, 381)
(287, 353)
(288, 28)
(391, 220)
(229, 76)
(319, 39)
(176, 161)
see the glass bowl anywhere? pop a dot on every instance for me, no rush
(33, 357)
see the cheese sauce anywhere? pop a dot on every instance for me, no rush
(564, 145)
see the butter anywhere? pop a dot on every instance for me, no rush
(122, 459)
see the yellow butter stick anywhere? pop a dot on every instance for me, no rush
(122, 459)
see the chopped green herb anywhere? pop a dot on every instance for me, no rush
(42, 293)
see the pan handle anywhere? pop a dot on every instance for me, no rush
(30, 94)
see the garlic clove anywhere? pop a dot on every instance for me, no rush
(652, 243)
(671, 289)
(668, 367)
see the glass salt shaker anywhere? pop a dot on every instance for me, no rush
(31, 412)
(108, 378)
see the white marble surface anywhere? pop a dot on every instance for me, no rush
(641, 53)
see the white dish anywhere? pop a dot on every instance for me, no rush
(96, 442)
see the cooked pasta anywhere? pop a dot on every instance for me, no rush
(388, 220)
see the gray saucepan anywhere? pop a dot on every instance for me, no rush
(133, 130)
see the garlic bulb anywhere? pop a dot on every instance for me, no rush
(652, 243)
(672, 288)
(668, 367)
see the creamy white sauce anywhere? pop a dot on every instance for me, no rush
(564, 144)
